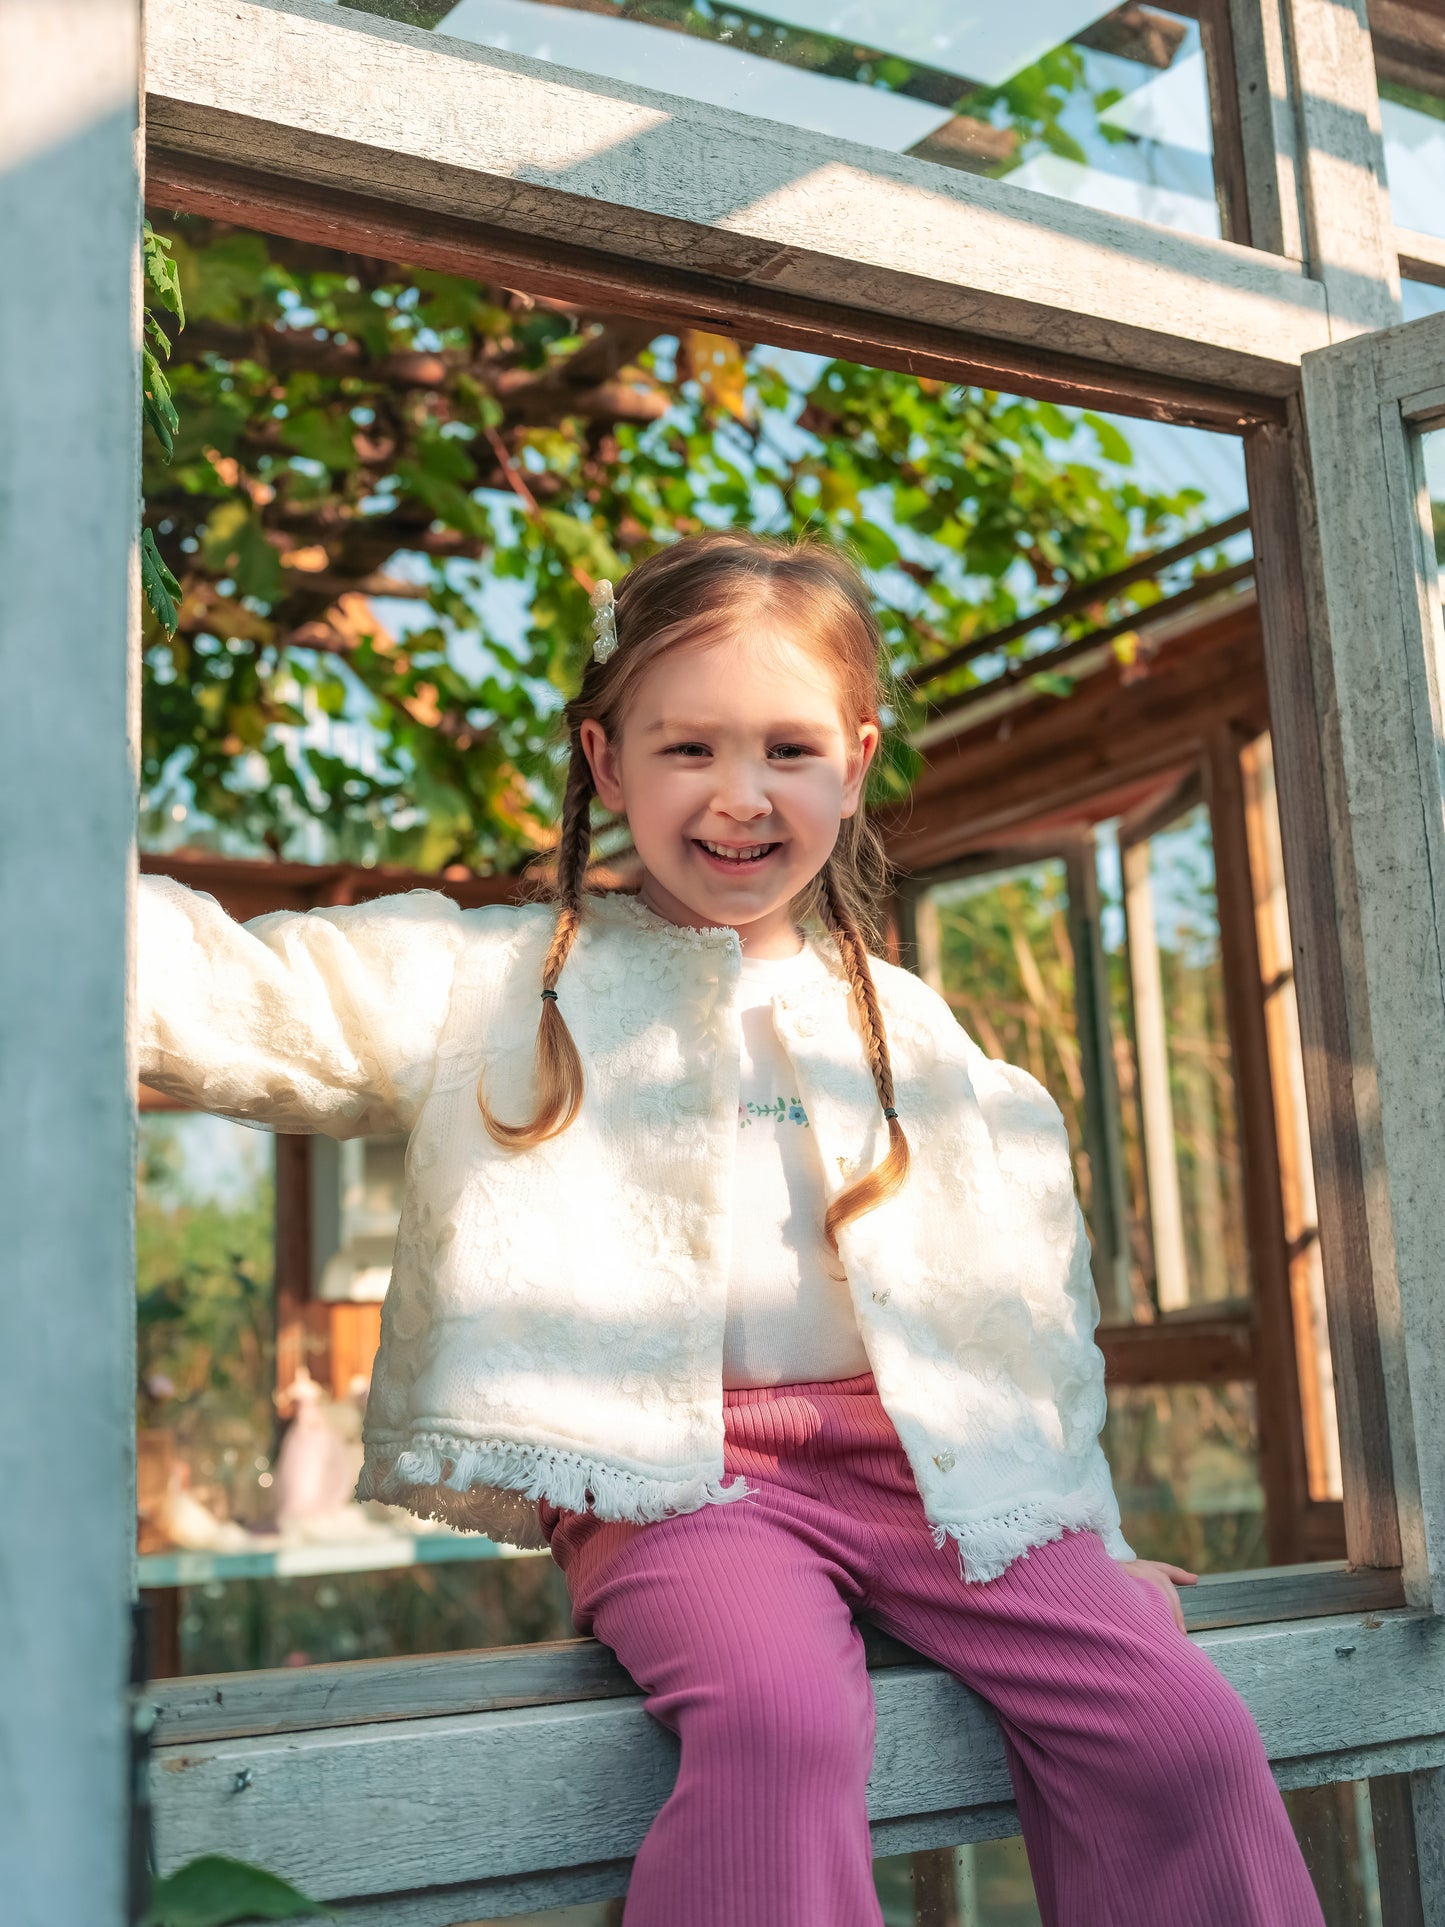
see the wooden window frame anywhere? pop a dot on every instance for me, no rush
(346, 130)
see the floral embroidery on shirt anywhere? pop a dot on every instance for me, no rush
(781, 1111)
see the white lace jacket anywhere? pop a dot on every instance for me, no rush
(554, 1324)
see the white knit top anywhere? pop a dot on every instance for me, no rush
(789, 1310)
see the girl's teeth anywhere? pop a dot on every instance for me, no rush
(737, 856)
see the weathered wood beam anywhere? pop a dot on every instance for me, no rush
(227, 1706)
(674, 296)
(1323, 927)
(347, 101)
(1339, 155)
(512, 1795)
(69, 461)
(1422, 256)
(1382, 720)
(1269, 131)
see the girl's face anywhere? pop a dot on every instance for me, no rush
(734, 770)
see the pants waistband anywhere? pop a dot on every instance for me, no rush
(863, 1386)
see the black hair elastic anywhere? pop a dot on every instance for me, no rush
(888, 1111)
(550, 993)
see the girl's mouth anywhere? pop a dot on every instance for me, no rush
(735, 858)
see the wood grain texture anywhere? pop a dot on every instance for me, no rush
(1422, 256)
(567, 1672)
(675, 296)
(1282, 1468)
(1322, 929)
(1189, 1351)
(370, 1810)
(1427, 1830)
(1269, 131)
(1349, 239)
(1379, 648)
(361, 104)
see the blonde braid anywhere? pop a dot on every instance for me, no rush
(559, 1074)
(889, 1177)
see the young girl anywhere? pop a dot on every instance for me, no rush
(732, 1268)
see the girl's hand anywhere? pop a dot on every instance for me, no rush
(1155, 1572)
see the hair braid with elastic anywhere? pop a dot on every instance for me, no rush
(559, 1074)
(888, 1177)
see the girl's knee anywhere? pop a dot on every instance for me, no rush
(1193, 1738)
(790, 1726)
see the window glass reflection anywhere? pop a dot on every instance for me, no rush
(1185, 1460)
(1433, 450)
(1110, 108)
(1409, 47)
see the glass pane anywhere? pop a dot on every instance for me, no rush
(1432, 445)
(1420, 298)
(205, 1331)
(1296, 1167)
(1410, 69)
(238, 1625)
(253, 1549)
(1185, 1460)
(1186, 1080)
(1105, 106)
(999, 949)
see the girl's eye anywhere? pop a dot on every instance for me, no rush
(791, 750)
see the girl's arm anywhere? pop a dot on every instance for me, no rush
(321, 1020)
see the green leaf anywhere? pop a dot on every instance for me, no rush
(214, 1891)
(159, 409)
(159, 587)
(1049, 682)
(1112, 445)
(161, 274)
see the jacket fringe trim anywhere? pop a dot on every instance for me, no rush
(988, 1547)
(492, 1486)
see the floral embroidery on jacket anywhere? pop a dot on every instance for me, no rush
(781, 1111)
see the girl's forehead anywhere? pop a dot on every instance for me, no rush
(755, 668)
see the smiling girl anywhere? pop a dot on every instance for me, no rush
(741, 1277)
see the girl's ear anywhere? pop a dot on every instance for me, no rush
(869, 737)
(602, 761)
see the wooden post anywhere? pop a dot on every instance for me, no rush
(1349, 239)
(1269, 131)
(1314, 1371)
(303, 1326)
(1156, 1110)
(1281, 1436)
(1103, 1131)
(70, 212)
(1279, 494)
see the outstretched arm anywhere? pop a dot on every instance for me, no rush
(323, 1020)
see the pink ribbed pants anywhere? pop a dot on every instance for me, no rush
(1140, 1777)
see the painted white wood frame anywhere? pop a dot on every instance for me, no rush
(503, 1810)
(1339, 162)
(69, 462)
(412, 117)
(1378, 639)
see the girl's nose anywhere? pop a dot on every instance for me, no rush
(741, 795)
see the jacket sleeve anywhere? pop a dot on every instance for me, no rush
(321, 1020)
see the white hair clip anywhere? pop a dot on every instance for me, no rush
(604, 622)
